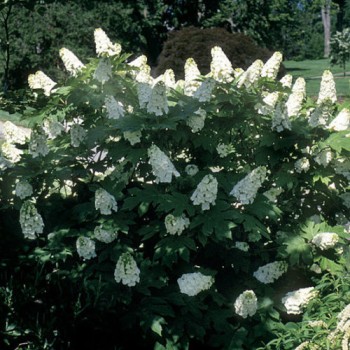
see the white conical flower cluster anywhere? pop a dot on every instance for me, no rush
(194, 283)
(325, 240)
(175, 225)
(86, 248)
(246, 304)
(53, 128)
(14, 134)
(206, 192)
(287, 81)
(341, 122)
(324, 157)
(11, 152)
(103, 71)
(328, 91)
(224, 150)
(40, 80)
(204, 92)
(162, 167)
(273, 193)
(115, 109)
(104, 46)
(270, 272)
(77, 135)
(296, 300)
(38, 144)
(71, 62)
(251, 75)
(280, 118)
(272, 66)
(105, 202)
(126, 270)
(105, 235)
(23, 189)
(196, 121)
(220, 66)
(246, 189)
(302, 164)
(158, 102)
(192, 74)
(30, 220)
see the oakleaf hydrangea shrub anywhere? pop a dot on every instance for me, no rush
(206, 211)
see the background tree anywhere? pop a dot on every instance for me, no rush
(340, 48)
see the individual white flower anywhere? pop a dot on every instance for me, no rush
(38, 145)
(86, 248)
(205, 90)
(14, 134)
(52, 128)
(162, 167)
(327, 89)
(299, 86)
(287, 81)
(220, 66)
(133, 137)
(158, 102)
(23, 189)
(341, 121)
(280, 118)
(192, 74)
(105, 235)
(40, 80)
(272, 66)
(294, 103)
(302, 164)
(224, 150)
(273, 193)
(251, 75)
(104, 46)
(296, 300)
(115, 109)
(191, 169)
(246, 304)
(206, 192)
(30, 220)
(246, 189)
(77, 135)
(103, 71)
(270, 272)
(126, 270)
(325, 240)
(175, 225)
(324, 157)
(196, 122)
(105, 202)
(71, 62)
(243, 246)
(11, 152)
(194, 283)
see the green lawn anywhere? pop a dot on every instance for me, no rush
(312, 71)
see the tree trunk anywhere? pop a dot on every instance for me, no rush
(326, 20)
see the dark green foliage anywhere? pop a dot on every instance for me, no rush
(197, 43)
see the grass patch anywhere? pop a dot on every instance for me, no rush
(312, 71)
